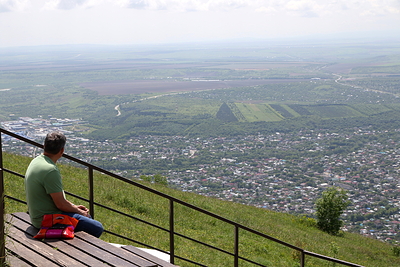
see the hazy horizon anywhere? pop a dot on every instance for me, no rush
(135, 22)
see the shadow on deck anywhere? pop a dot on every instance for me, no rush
(83, 250)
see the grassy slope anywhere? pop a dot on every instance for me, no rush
(291, 229)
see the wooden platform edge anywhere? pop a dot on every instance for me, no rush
(147, 256)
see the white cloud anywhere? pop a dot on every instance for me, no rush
(13, 5)
(314, 8)
(70, 4)
(267, 10)
(183, 5)
(381, 7)
(303, 8)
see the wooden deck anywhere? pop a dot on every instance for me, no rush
(83, 250)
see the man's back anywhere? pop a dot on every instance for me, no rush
(41, 179)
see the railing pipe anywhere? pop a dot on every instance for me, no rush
(302, 259)
(236, 249)
(91, 192)
(316, 255)
(13, 173)
(171, 232)
(2, 234)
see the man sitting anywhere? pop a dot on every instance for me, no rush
(44, 189)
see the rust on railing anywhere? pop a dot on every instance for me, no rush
(171, 230)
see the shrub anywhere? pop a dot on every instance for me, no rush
(329, 208)
(396, 251)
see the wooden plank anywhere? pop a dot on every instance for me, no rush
(41, 248)
(60, 245)
(12, 260)
(104, 255)
(148, 256)
(22, 216)
(115, 250)
(29, 255)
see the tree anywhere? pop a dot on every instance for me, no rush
(145, 178)
(329, 208)
(158, 178)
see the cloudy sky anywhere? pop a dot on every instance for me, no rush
(48, 22)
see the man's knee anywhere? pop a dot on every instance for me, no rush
(88, 225)
(98, 229)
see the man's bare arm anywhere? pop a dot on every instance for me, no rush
(78, 206)
(66, 206)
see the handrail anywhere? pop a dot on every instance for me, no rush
(2, 222)
(170, 230)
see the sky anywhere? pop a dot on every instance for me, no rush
(117, 22)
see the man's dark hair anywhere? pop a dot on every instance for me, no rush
(54, 142)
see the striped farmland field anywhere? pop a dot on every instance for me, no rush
(258, 112)
(282, 110)
(333, 111)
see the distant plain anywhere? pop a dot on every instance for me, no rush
(261, 83)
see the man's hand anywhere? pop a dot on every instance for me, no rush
(81, 207)
(84, 211)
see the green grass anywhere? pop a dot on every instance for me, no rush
(291, 111)
(150, 207)
(333, 111)
(267, 112)
(258, 112)
(371, 109)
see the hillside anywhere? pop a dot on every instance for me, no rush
(291, 229)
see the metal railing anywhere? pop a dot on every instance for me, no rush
(171, 230)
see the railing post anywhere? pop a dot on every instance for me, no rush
(91, 192)
(236, 261)
(2, 234)
(302, 258)
(171, 232)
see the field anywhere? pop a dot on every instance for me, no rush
(174, 85)
(258, 112)
(370, 109)
(333, 111)
(284, 110)
(274, 112)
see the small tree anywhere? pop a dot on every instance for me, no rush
(145, 178)
(329, 208)
(158, 178)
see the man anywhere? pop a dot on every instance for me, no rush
(44, 189)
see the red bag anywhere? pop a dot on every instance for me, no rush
(57, 226)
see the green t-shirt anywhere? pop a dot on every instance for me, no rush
(41, 179)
